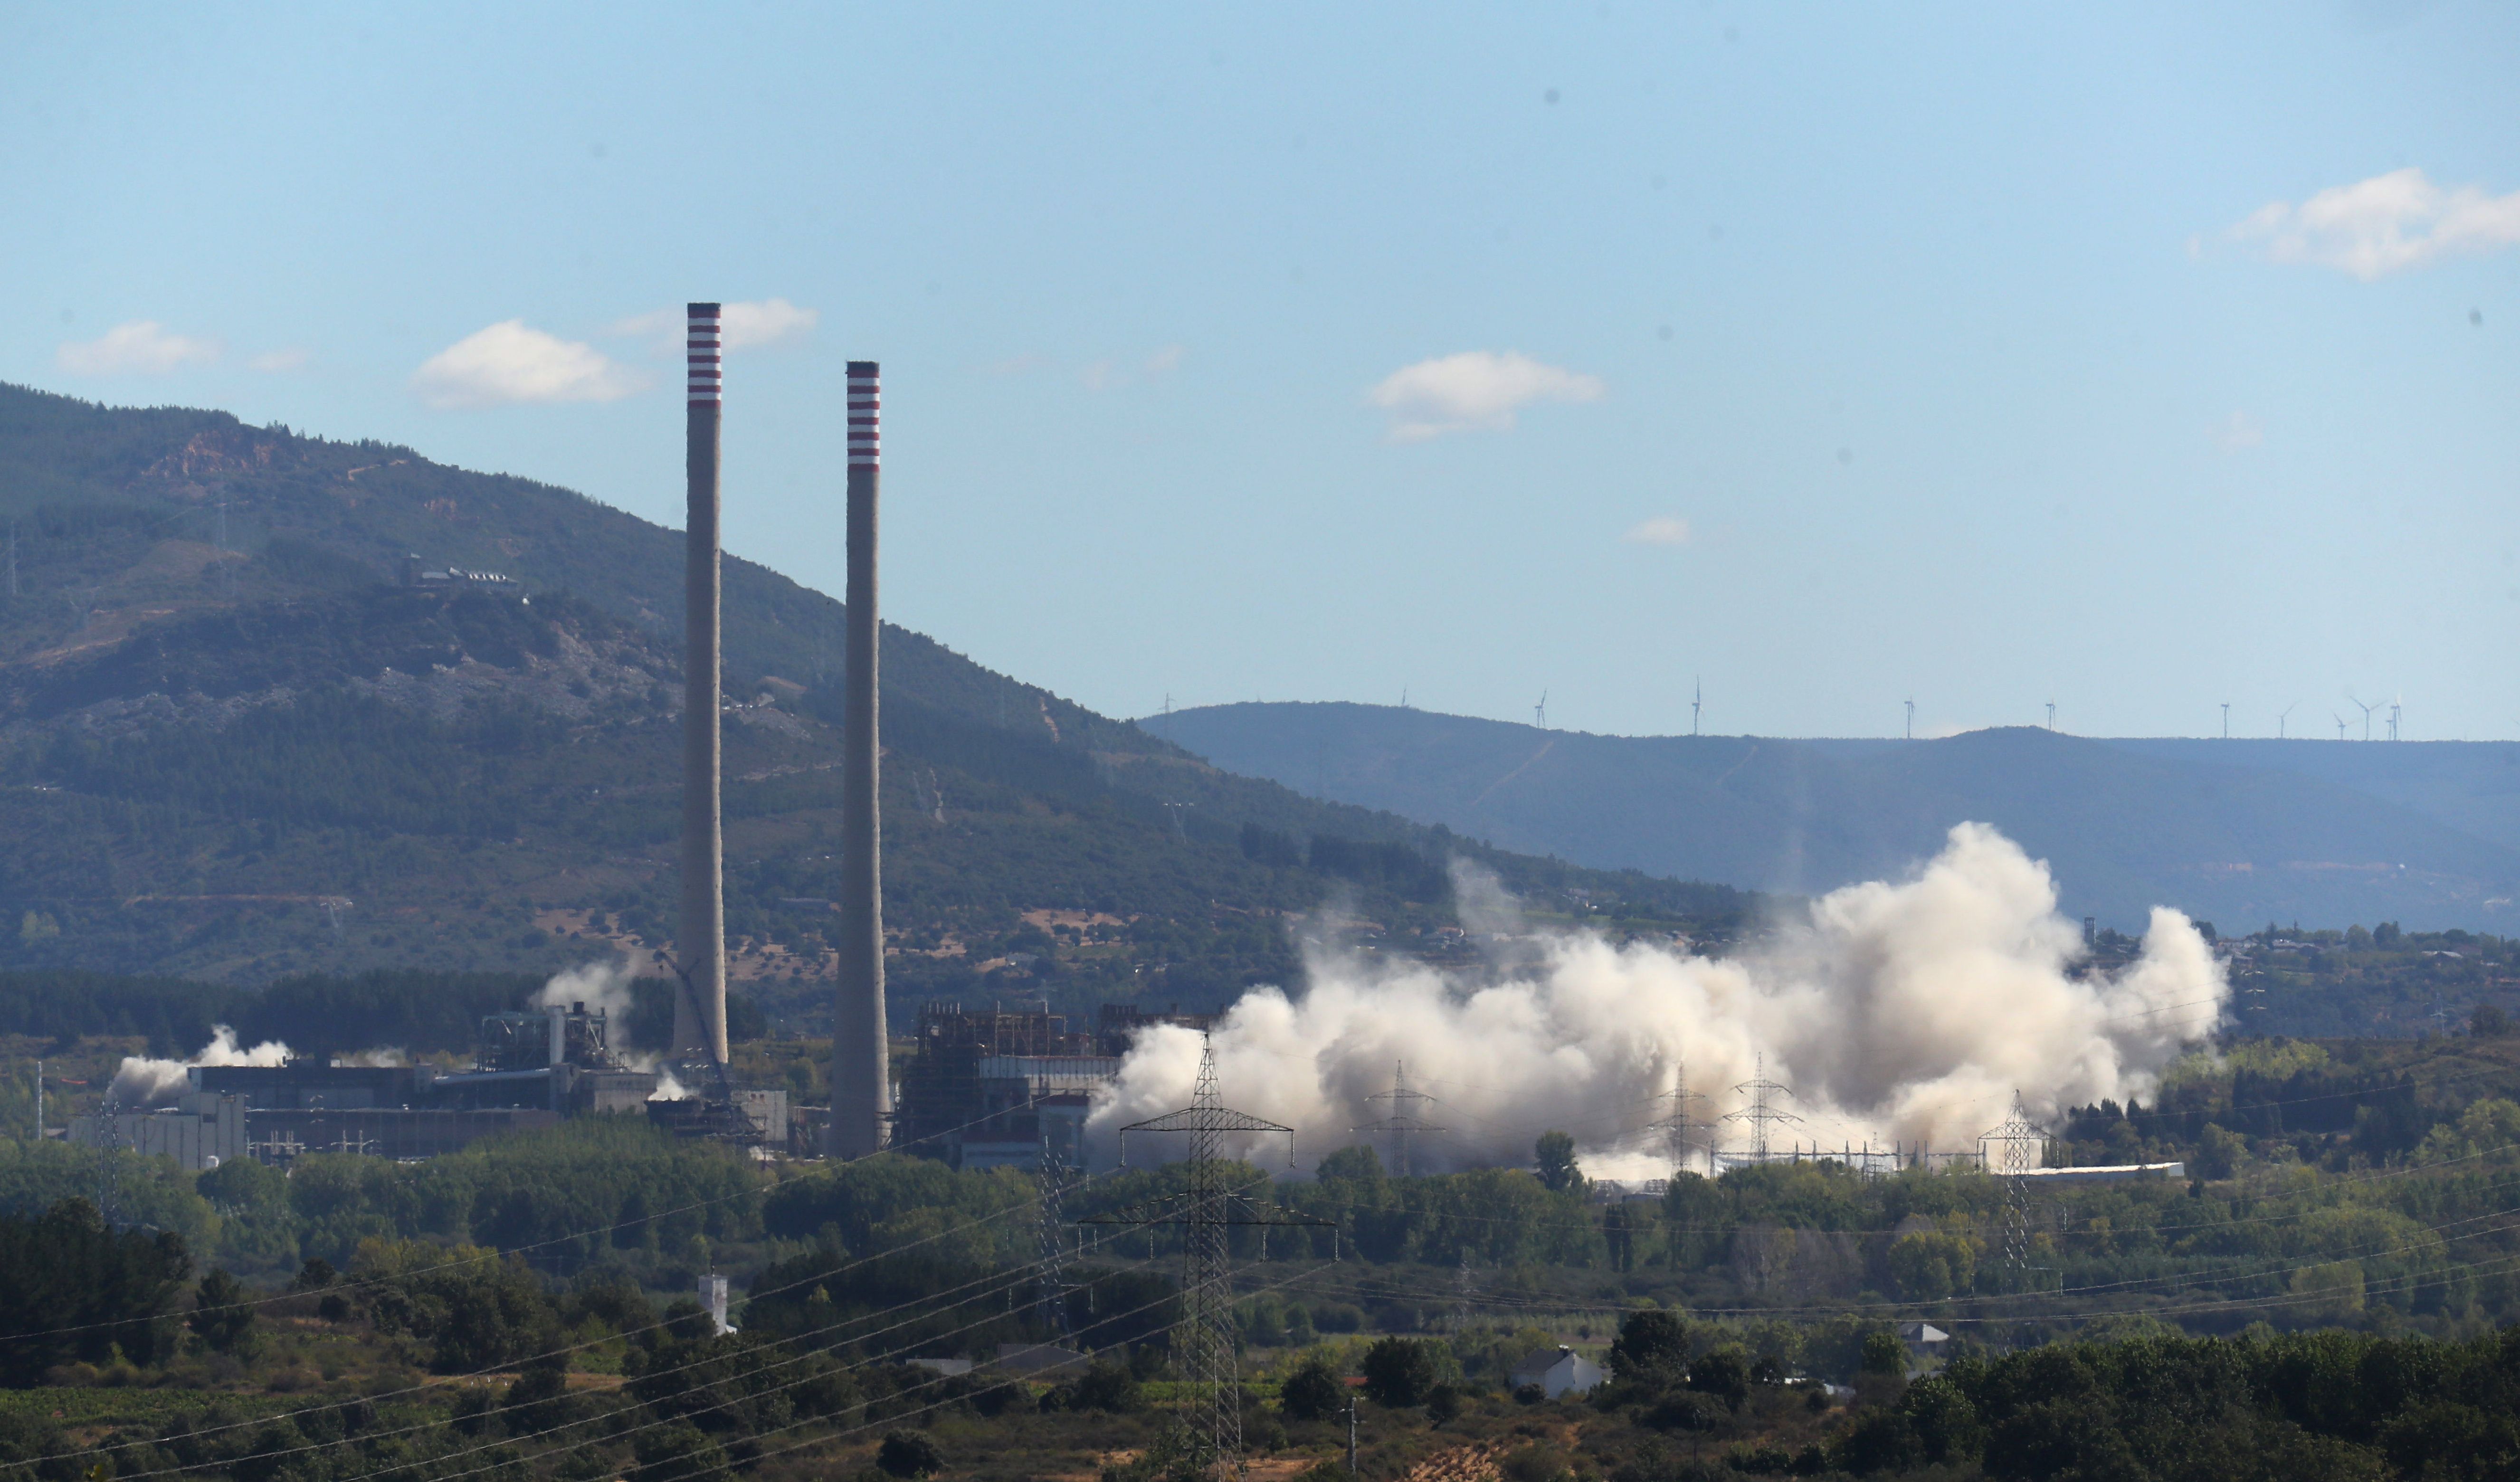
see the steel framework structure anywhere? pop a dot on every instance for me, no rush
(1682, 1130)
(1761, 1113)
(2010, 1151)
(1208, 1210)
(1404, 1121)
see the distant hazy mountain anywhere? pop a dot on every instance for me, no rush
(2238, 832)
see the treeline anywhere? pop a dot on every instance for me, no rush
(82, 1307)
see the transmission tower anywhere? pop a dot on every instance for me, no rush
(1681, 1130)
(1208, 1209)
(1404, 1121)
(1762, 1113)
(108, 1163)
(1053, 1180)
(2009, 1152)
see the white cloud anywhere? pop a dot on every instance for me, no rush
(142, 347)
(2383, 225)
(2239, 433)
(281, 360)
(1661, 530)
(509, 363)
(750, 326)
(1164, 361)
(1474, 389)
(740, 326)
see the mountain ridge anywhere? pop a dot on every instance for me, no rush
(233, 747)
(2124, 825)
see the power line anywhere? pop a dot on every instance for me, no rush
(1213, 1423)
(1403, 1122)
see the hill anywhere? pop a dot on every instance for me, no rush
(2236, 833)
(234, 746)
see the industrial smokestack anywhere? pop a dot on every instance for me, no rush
(861, 1077)
(699, 943)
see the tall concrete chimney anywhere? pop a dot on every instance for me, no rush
(699, 940)
(861, 1075)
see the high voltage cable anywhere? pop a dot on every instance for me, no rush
(847, 1431)
(2287, 1299)
(444, 1380)
(793, 1359)
(994, 1283)
(501, 1253)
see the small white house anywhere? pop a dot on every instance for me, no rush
(1559, 1372)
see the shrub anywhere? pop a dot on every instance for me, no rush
(1399, 1373)
(909, 1454)
(223, 1320)
(1652, 1347)
(1313, 1392)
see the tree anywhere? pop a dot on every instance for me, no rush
(1357, 1164)
(2489, 1022)
(1721, 1373)
(1652, 1347)
(909, 1454)
(1931, 1266)
(1443, 1404)
(1884, 1354)
(1555, 1154)
(222, 1317)
(1399, 1373)
(1313, 1392)
(72, 1290)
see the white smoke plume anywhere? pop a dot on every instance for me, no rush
(606, 986)
(599, 985)
(143, 1082)
(1909, 1012)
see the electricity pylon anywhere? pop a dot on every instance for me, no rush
(1404, 1121)
(1212, 1421)
(1052, 1181)
(1681, 1130)
(1762, 1113)
(2009, 1152)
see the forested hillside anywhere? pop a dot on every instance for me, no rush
(234, 746)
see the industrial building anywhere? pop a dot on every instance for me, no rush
(530, 1071)
(1000, 1087)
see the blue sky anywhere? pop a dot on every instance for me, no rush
(2135, 358)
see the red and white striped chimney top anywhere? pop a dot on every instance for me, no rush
(703, 353)
(865, 443)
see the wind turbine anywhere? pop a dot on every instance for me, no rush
(2280, 719)
(2227, 720)
(2366, 714)
(2052, 715)
(1911, 720)
(1540, 712)
(2340, 724)
(1696, 699)
(2393, 708)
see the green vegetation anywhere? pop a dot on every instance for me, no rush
(247, 764)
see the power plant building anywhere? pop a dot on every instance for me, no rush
(530, 1071)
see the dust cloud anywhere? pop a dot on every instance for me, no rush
(1908, 1011)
